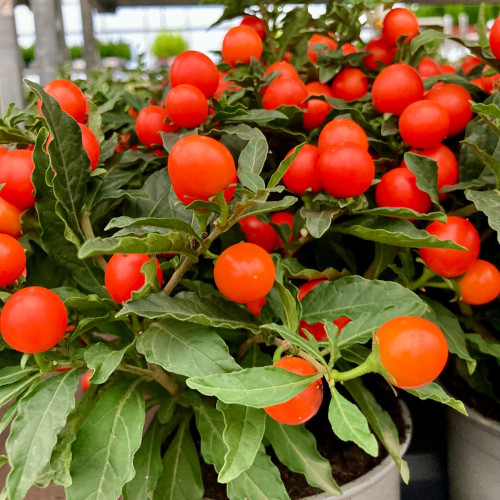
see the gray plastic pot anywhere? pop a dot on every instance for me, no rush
(473, 456)
(382, 482)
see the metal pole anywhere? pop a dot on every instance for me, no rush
(47, 47)
(61, 40)
(11, 86)
(90, 53)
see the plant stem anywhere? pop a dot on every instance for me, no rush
(367, 367)
(304, 355)
(464, 211)
(249, 342)
(427, 274)
(44, 365)
(179, 273)
(155, 373)
(89, 234)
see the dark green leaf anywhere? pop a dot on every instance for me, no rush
(436, 393)
(489, 203)
(426, 172)
(102, 361)
(283, 167)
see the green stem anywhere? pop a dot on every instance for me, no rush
(277, 354)
(427, 274)
(89, 234)
(370, 365)
(209, 255)
(44, 365)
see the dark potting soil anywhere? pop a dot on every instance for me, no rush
(347, 459)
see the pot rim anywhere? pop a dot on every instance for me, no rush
(478, 418)
(360, 483)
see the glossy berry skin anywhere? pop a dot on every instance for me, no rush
(397, 23)
(284, 91)
(256, 306)
(12, 259)
(396, 87)
(350, 84)
(469, 63)
(228, 194)
(447, 69)
(339, 131)
(284, 68)
(186, 106)
(495, 38)
(16, 168)
(455, 100)
(413, 350)
(33, 320)
(259, 233)
(398, 188)
(123, 275)
(424, 124)
(316, 109)
(346, 170)
(197, 69)
(428, 67)
(312, 54)
(85, 381)
(244, 272)
(480, 284)
(150, 122)
(69, 96)
(452, 263)
(446, 162)
(317, 330)
(240, 44)
(304, 405)
(10, 219)
(200, 166)
(380, 52)
(91, 146)
(256, 24)
(303, 172)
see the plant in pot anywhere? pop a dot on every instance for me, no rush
(239, 289)
(168, 45)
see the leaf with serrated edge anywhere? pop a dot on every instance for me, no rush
(39, 419)
(103, 361)
(181, 477)
(353, 296)
(186, 349)
(106, 444)
(186, 306)
(349, 424)
(243, 431)
(436, 393)
(381, 423)
(257, 387)
(296, 448)
(147, 464)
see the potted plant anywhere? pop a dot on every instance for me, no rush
(250, 295)
(167, 45)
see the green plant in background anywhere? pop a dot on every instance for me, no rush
(76, 52)
(28, 54)
(111, 49)
(491, 11)
(168, 44)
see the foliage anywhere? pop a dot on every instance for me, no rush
(168, 44)
(199, 364)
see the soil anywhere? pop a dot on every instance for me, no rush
(348, 460)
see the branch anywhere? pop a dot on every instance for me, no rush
(89, 234)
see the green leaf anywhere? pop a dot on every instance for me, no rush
(290, 319)
(11, 391)
(489, 203)
(258, 116)
(257, 387)
(397, 232)
(187, 306)
(243, 432)
(147, 464)
(68, 158)
(481, 27)
(181, 477)
(12, 374)
(294, 269)
(403, 213)
(490, 161)
(151, 243)
(271, 206)
(106, 444)
(40, 417)
(103, 361)
(436, 393)
(491, 347)
(295, 447)
(450, 326)
(186, 349)
(354, 296)
(261, 482)
(250, 163)
(155, 222)
(349, 424)
(283, 167)
(381, 423)
(490, 109)
(426, 172)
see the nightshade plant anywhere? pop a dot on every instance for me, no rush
(198, 364)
